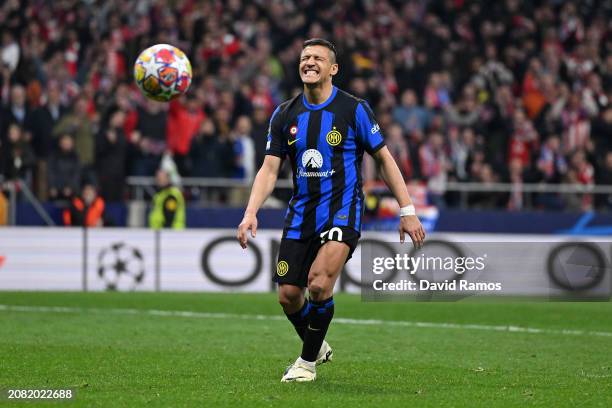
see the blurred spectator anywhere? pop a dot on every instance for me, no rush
(15, 112)
(582, 172)
(523, 139)
(605, 178)
(487, 200)
(9, 53)
(602, 129)
(466, 112)
(78, 123)
(259, 134)
(399, 150)
(462, 144)
(168, 208)
(148, 140)
(64, 170)
(86, 209)
(111, 152)
(409, 114)
(434, 166)
(576, 125)
(208, 154)
(17, 157)
(244, 150)
(516, 175)
(184, 119)
(552, 168)
(551, 163)
(437, 94)
(44, 119)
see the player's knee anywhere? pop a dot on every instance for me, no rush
(317, 285)
(315, 289)
(289, 298)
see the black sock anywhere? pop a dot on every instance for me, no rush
(299, 319)
(319, 317)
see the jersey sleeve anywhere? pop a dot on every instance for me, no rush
(274, 145)
(368, 132)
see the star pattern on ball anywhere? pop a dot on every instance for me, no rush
(150, 67)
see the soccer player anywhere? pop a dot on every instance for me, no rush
(324, 131)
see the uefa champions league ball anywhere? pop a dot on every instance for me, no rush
(162, 72)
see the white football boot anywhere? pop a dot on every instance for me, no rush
(325, 353)
(300, 372)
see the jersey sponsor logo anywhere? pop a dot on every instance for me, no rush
(290, 142)
(375, 128)
(282, 268)
(305, 173)
(333, 234)
(334, 138)
(312, 160)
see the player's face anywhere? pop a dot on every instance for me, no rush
(316, 65)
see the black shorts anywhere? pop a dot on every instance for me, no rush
(295, 256)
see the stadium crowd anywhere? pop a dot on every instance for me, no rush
(486, 92)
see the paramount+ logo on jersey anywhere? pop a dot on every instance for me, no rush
(312, 162)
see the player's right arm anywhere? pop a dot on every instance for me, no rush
(262, 188)
(265, 179)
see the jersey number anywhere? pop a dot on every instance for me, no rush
(330, 233)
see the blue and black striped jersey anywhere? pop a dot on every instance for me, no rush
(325, 144)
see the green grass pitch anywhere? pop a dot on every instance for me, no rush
(126, 350)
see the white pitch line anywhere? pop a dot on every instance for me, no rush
(339, 320)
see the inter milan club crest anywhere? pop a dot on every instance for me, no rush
(293, 130)
(333, 137)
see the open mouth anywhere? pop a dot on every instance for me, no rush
(310, 72)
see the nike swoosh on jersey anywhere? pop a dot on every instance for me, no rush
(290, 142)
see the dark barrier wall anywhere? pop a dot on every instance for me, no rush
(116, 214)
(524, 222)
(445, 221)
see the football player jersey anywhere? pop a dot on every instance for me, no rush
(325, 144)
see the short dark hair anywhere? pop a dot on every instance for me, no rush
(324, 43)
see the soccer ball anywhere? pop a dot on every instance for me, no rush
(162, 72)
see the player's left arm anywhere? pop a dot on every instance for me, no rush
(371, 138)
(393, 178)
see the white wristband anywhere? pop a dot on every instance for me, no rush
(407, 210)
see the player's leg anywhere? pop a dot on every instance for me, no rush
(321, 281)
(292, 279)
(295, 306)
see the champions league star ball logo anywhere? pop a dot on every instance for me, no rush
(121, 266)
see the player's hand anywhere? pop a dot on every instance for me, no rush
(249, 222)
(410, 224)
